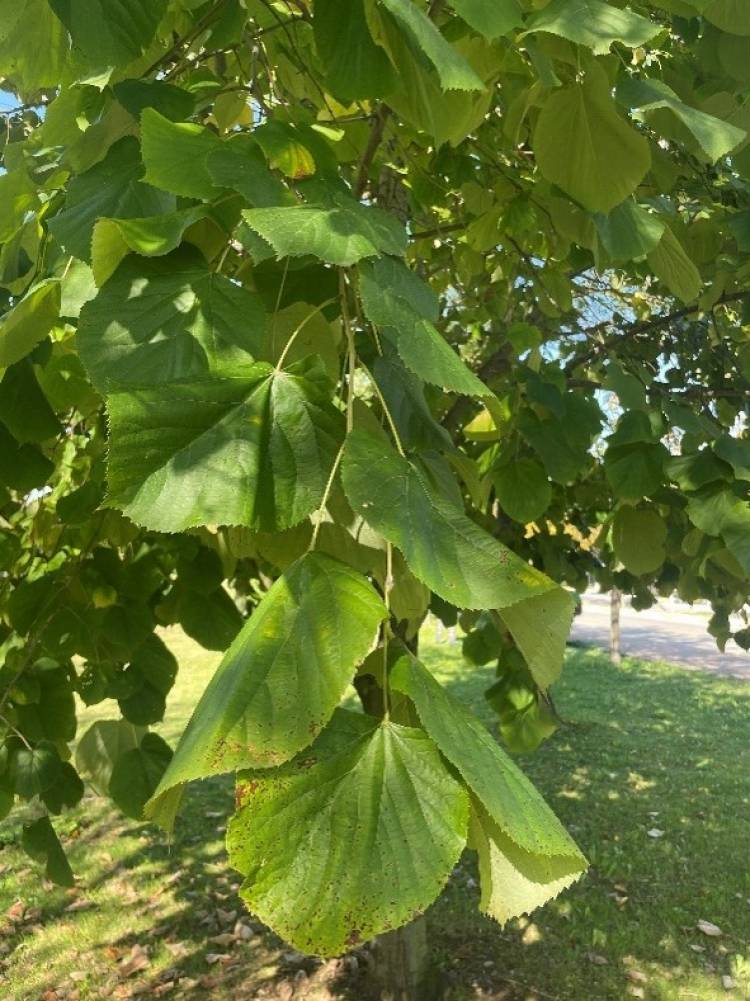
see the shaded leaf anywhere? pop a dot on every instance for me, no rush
(401, 818)
(405, 309)
(137, 773)
(113, 188)
(281, 679)
(41, 843)
(165, 319)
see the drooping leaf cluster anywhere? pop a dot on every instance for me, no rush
(318, 316)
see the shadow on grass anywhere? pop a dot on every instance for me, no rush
(651, 777)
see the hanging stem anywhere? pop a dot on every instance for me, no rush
(387, 587)
(386, 410)
(345, 319)
(326, 494)
(299, 329)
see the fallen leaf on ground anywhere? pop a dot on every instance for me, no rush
(80, 905)
(596, 959)
(709, 928)
(136, 961)
(217, 957)
(77, 976)
(226, 938)
(637, 977)
(177, 949)
(243, 931)
(16, 911)
(226, 916)
(728, 983)
(655, 833)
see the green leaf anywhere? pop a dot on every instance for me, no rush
(452, 555)
(585, 147)
(629, 232)
(491, 18)
(171, 101)
(53, 716)
(523, 490)
(540, 627)
(718, 511)
(404, 395)
(355, 67)
(166, 319)
(23, 406)
(210, 619)
(312, 333)
(103, 744)
(671, 265)
(151, 673)
(29, 321)
(281, 679)
(716, 138)
(40, 842)
(34, 46)
(693, 471)
(594, 24)
(66, 792)
(18, 195)
(512, 881)
(405, 309)
(174, 154)
(635, 471)
(563, 445)
(137, 773)
(735, 451)
(455, 72)
(110, 32)
(154, 236)
(238, 163)
(732, 16)
(447, 116)
(341, 234)
(631, 393)
(22, 467)
(402, 819)
(112, 188)
(504, 791)
(252, 449)
(34, 770)
(638, 538)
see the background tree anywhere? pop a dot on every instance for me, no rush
(322, 315)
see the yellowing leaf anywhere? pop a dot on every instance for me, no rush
(585, 147)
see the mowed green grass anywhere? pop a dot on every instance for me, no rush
(651, 774)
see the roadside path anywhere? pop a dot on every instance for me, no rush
(661, 633)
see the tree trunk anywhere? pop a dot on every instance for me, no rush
(402, 970)
(615, 604)
(401, 967)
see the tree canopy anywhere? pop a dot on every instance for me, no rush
(318, 315)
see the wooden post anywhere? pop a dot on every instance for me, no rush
(615, 605)
(401, 969)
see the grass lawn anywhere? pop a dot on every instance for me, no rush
(651, 775)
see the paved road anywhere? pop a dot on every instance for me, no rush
(661, 633)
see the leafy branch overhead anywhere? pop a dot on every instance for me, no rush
(321, 316)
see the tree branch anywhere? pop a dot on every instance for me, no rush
(636, 329)
(376, 137)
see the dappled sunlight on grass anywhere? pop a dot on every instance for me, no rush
(649, 773)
